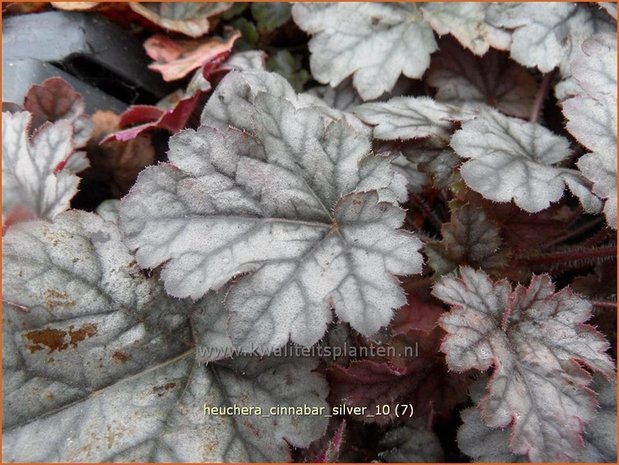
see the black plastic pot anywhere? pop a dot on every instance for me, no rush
(104, 63)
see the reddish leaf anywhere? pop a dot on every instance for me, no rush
(601, 284)
(139, 114)
(522, 231)
(140, 118)
(423, 383)
(420, 313)
(213, 66)
(367, 383)
(150, 117)
(118, 12)
(176, 59)
(54, 100)
(466, 80)
(470, 238)
(413, 372)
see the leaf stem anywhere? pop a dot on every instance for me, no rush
(605, 304)
(577, 256)
(541, 95)
(574, 233)
(597, 237)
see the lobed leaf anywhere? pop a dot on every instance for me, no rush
(470, 238)
(373, 42)
(511, 159)
(485, 444)
(592, 117)
(98, 364)
(412, 372)
(537, 342)
(411, 118)
(38, 174)
(546, 35)
(176, 59)
(466, 21)
(426, 163)
(285, 194)
(189, 18)
(469, 82)
(54, 100)
(524, 233)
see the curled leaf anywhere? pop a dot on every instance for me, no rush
(140, 118)
(176, 59)
(173, 113)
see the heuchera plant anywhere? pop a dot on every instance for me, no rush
(358, 179)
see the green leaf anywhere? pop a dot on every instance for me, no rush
(270, 16)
